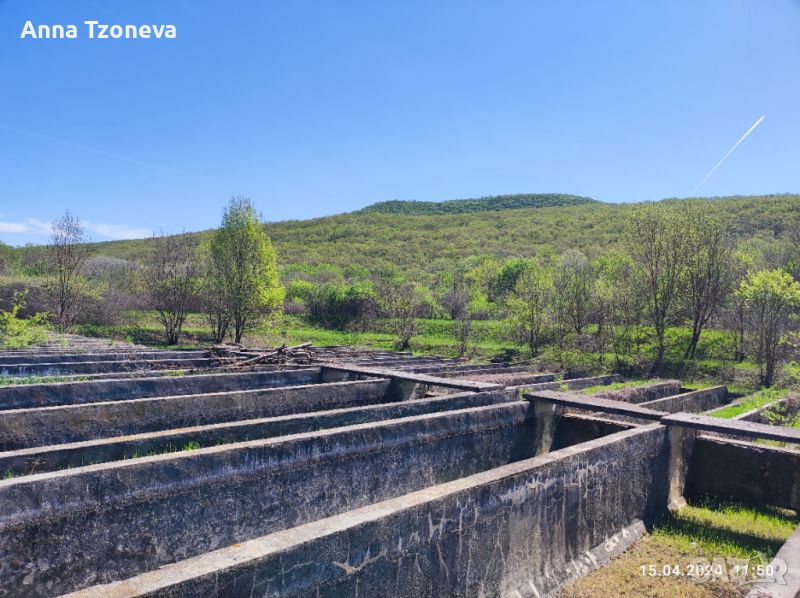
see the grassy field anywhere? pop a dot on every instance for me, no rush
(716, 542)
(491, 340)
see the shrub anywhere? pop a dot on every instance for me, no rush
(16, 332)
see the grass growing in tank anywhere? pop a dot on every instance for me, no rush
(710, 532)
(763, 397)
(24, 380)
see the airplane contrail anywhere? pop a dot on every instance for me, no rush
(730, 151)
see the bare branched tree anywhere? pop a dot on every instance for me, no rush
(67, 254)
(171, 282)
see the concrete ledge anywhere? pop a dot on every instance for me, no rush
(565, 399)
(786, 582)
(62, 456)
(65, 530)
(517, 530)
(693, 401)
(654, 390)
(732, 427)
(103, 367)
(575, 383)
(70, 393)
(26, 428)
(9, 358)
(412, 377)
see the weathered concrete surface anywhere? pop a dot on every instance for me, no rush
(786, 582)
(592, 403)
(575, 383)
(733, 427)
(690, 402)
(26, 428)
(12, 358)
(62, 456)
(641, 394)
(338, 370)
(518, 530)
(510, 379)
(66, 530)
(745, 472)
(574, 429)
(104, 367)
(70, 393)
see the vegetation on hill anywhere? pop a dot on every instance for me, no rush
(421, 247)
(482, 204)
(585, 287)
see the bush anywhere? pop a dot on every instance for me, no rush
(16, 332)
(343, 306)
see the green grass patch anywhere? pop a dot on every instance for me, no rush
(728, 530)
(704, 534)
(22, 381)
(763, 397)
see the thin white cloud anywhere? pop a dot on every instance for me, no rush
(13, 227)
(117, 231)
(32, 226)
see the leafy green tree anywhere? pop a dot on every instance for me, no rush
(574, 286)
(771, 299)
(617, 306)
(528, 302)
(656, 243)
(508, 275)
(244, 267)
(709, 266)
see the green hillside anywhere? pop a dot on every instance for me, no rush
(482, 204)
(422, 245)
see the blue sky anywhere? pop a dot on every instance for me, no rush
(318, 107)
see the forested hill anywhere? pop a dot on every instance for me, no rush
(420, 246)
(482, 204)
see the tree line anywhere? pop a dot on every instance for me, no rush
(677, 264)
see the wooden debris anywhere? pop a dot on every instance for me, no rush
(231, 355)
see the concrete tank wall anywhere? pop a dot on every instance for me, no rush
(66, 530)
(518, 530)
(745, 472)
(25, 428)
(71, 393)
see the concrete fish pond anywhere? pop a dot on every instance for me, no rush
(361, 473)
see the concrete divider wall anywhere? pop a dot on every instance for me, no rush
(640, 394)
(690, 402)
(53, 458)
(574, 429)
(7, 358)
(518, 530)
(25, 428)
(745, 472)
(69, 393)
(103, 367)
(66, 530)
(575, 383)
